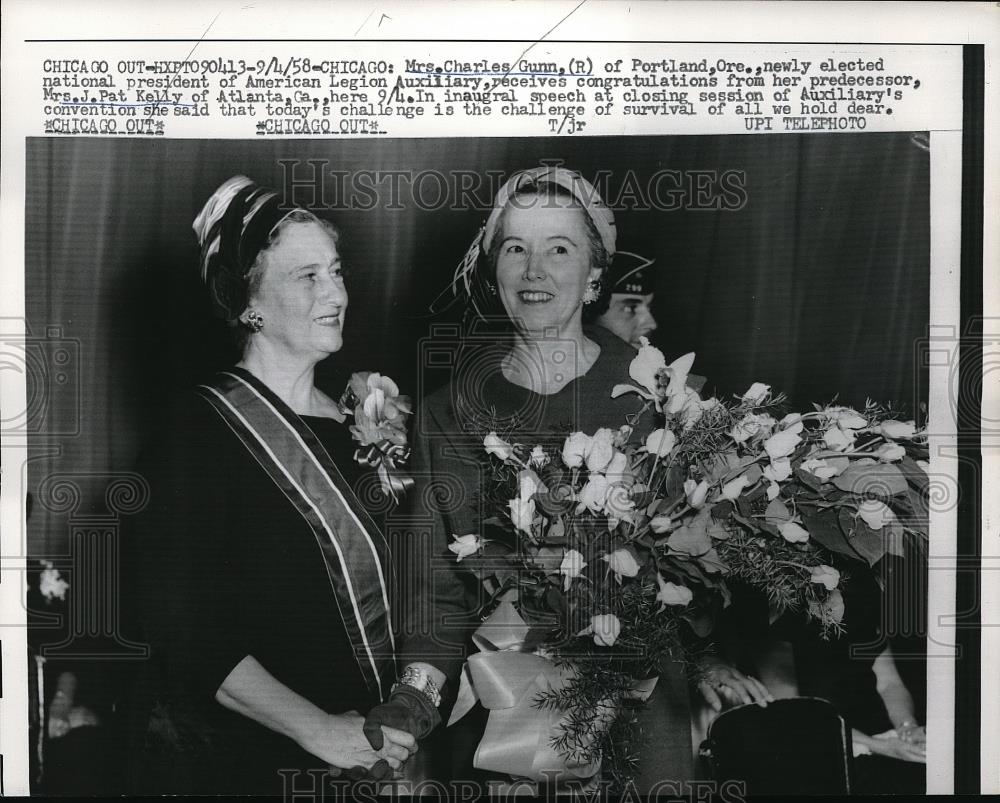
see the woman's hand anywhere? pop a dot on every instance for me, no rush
(912, 733)
(340, 742)
(894, 747)
(722, 683)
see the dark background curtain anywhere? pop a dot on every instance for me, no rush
(818, 285)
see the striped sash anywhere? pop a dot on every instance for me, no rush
(353, 548)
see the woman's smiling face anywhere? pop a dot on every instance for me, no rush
(544, 264)
(301, 295)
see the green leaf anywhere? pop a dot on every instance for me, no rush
(880, 479)
(556, 531)
(868, 543)
(722, 510)
(824, 527)
(915, 475)
(809, 480)
(702, 622)
(777, 513)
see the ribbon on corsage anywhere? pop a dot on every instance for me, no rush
(518, 736)
(387, 458)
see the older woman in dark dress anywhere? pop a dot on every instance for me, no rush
(264, 582)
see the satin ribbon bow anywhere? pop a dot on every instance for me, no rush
(518, 736)
(388, 457)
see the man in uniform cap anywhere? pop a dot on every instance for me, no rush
(631, 282)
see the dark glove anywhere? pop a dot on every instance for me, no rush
(379, 771)
(407, 709)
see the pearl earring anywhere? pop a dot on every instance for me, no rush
(253, 320)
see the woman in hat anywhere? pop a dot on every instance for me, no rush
(539, 262)
(263, 581)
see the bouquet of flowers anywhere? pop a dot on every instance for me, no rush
(379, 427)
(611, 545)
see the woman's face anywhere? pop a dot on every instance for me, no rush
(544, 265)
(301, 295)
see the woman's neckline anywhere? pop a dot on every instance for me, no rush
(597, 340)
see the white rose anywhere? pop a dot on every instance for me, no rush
(783, 443)
(890, 452)
(601, 450)
(465, 545)
(875, 514)
(793, 533)
(732, 489)
(660, 442)
(846, 417)
(820, 468)
(571, 567)
(575, 449)
(838, 439)
(50, 583)
(617, 470)
(826, 576)
(756, 393)
(696, 492)
(594, 494)
(538, 457)
(623, 562)
(605, 628)
(779, 470)
(529, 484)
(497, 446)
(522, 513)
(897, 429)
(671, 593)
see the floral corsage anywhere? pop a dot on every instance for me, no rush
(379, 427)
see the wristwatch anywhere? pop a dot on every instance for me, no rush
(417, 678)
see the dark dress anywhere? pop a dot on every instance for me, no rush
(448, 461)
(224, 567)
